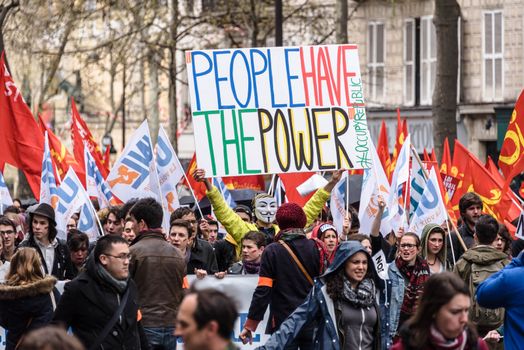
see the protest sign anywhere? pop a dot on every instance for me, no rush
(240, 288)
(277, 110)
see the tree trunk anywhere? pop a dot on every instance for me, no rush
(173, 106)
(142, 90)
(342, 21)
(278, 23)
(254, 23)
(444, 105)
(153, 95)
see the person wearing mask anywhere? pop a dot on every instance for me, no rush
(54, 253)
(407, 275)
(343, 301)
(100, 305)
(434, 248)
(264, 207)
(158, 270)
(253, 245)
(8, 233)
(441, 320)
(287, 269)
(27, 297)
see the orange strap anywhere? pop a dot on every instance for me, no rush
(185, 283)
(265, 282)
(138, 315)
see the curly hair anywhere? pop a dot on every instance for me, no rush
(335, 284)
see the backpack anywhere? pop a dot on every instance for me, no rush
(483, 317)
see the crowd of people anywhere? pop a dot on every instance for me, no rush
(128, 289)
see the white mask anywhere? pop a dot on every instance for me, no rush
(266, 209)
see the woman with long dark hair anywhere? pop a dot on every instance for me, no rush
(342, 302)
(441, 320)
(27, 297)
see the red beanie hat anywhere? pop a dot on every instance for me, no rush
(290, 215)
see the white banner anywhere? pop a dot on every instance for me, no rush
(240, 288)
(278, 110)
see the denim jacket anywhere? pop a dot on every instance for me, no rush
(391, 298)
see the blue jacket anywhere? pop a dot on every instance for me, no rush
(318, 303)
(391, 298)
(505, 289)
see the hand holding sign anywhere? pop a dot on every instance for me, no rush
(246, 336)
(200, 176)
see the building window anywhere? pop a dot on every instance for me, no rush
(409, 62)
(428, 59)
(376, 53)
(493, 56)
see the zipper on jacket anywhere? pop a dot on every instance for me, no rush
(118, 300)
(361, 327)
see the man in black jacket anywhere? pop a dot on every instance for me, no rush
(91, 302)
(284, 282)
(54, 253)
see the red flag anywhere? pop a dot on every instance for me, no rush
(445, 162)
(21, 142)
(402, 133)
(81, 135)
(291, 181)
(426, 156)
(494, 171)
(61, 156)
(251, 182)
(199, 189)
(383, 149)
(478, 179)
(511, 159)
(433, 157)
(107, 157)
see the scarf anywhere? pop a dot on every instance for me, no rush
(119, 285)
(251, 267)
(439, 342)
(362, 296)
(290, 234)
(416, 276)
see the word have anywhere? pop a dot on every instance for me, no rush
(280, 138)
(313, 76)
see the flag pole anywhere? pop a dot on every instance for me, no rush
(426, 175)
(193, 194)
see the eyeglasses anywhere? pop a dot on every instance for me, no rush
(121, 256)
(9, 232)
(407, 246)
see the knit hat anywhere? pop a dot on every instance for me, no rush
(46, 211)
(290, 215)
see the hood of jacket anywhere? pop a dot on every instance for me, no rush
(429, 228)
(345, 251)
(483, 255)
(43, 286)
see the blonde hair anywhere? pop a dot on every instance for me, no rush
(25, 267)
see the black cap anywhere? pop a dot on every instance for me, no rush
(46, 211)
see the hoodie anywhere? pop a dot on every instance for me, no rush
(442, 255)
(505, 289)
(480, 255)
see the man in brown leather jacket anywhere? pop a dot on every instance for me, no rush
(158, 269)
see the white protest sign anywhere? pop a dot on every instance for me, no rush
(240, 288)
(279, 109)
(381, 266)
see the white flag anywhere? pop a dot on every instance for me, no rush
(338, 202)
(170, 172)
(96, 186)
(5, 197)
(47, 180)
(399, 179)
(375, 184)
(431, 209)
(134, 173)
